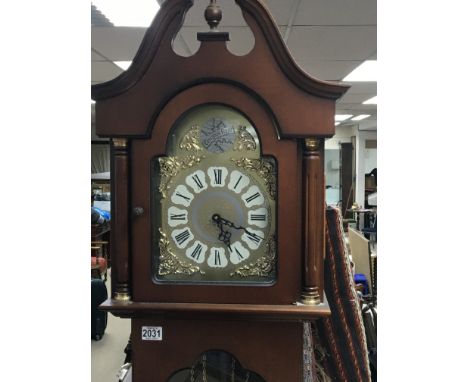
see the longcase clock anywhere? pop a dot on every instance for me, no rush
(217, 201)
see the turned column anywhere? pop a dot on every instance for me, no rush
(120, 249)
(313, 191)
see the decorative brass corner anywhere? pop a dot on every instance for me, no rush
(245, 140)
(263, 168)
(170, 264)
(122, 296)
(170, 167)
(120, 142)
(312, 144)
(264, 266)
(191, 141)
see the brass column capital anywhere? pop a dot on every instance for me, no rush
(120, 142)
(312, 144)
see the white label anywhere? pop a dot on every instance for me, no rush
(151, 333)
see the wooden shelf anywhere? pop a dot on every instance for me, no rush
(293, 312)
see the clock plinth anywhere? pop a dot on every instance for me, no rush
(218, 201)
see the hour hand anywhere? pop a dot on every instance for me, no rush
(224, 236)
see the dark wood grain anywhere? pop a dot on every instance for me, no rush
(313, 221)
(293, 312)
(119, 222)
(272, 350)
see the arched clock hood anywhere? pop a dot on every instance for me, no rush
(129, 104)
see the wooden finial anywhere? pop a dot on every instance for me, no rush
(213, 15)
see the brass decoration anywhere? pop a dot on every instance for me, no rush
(120, 142)
(262, 168)
(245, 140)
(310, 296)
(312, 144)
(191, 141)
(170, 167)
(121, 296)
(263, 266)
(170, 263)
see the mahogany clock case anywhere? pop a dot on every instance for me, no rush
(286, 106)
(137, 110)
(287, 153)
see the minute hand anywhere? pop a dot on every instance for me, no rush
(231, 224)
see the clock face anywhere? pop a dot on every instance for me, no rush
(214, 202)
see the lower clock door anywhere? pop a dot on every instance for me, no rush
(170, 350)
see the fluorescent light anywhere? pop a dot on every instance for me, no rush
(360, 117)
(123, 64)
(366, 72)
(371, 101)
(124, 13)
(337, 123)
(342, 117)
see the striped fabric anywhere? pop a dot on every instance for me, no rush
(340, 342)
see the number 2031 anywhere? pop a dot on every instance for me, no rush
(151, 333)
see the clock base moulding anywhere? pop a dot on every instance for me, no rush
(293, 312)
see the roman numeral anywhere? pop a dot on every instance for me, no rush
(258, 217)
(252, 197)
(256, 239)
(217, 257)
(197, 180)
(239, 254)
(178, 216)
(196, 252)
(183, 196)
(238, 180)
(182, 237)
(217, 175)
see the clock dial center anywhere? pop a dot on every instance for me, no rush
(209, 208)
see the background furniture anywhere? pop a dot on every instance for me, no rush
(362, 257)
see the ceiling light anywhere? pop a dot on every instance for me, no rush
(337, 123)
(371, 101)
(360, 117)
(123, 64)
(124, 13)
(366, 72)
(342, 117)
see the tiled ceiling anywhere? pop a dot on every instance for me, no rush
(327, 38)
